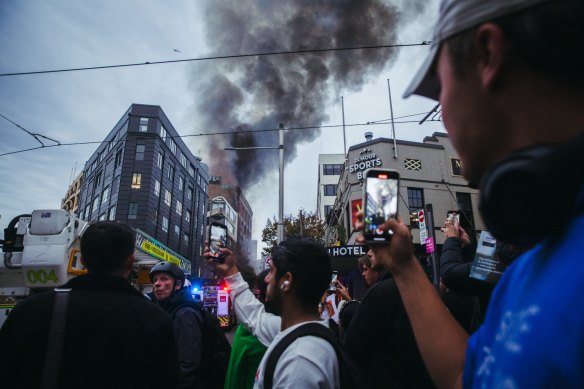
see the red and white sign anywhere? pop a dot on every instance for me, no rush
(422, 223)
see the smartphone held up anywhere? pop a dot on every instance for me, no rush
(217, 240)
(380, 194)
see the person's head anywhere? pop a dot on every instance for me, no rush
(108, 248)
(347, 312)
(501, 58)
(375, 265)
(366, 267)
(167, 278)
(300, 271)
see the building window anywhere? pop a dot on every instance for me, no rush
(112, 213)
(154, 216)
(136, 180)
(183, 160)
(132, 210)
(98, 178)
(159, 161)
(189, 193)
(413, 164)
(140, 152)
(105, 195)
(118, 159)
(188, 216)
(332, 169)
(102, 217)
(191, 171)
(415, 202)
(143, 125)
(415, 198)
(95, 204)
(181, 182)
(176, 230)
(330, 190)
(87, 212)
(157, 187)
(186, 238)
(179, 207)
(94, 165)
(466, 218)
(170, 172)
(164, 224)
(163, 133)
(172, 146)
(327, 210)
(167, 197)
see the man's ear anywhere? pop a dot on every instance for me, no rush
(179, 285)
(491, 51)
(286, 282)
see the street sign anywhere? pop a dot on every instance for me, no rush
(429, 245)
(422, 223)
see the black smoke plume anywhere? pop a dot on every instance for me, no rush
(258, 93)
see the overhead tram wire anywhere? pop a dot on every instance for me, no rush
(285, 52)
(220, 133)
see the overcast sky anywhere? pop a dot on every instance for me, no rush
(83, 106)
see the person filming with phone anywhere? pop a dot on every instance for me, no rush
(300, 271)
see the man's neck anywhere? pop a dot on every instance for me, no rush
(293, 314)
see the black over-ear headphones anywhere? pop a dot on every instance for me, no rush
(531, 194)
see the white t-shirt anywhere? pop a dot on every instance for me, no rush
(309, 362)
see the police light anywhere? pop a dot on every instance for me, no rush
(195, 289)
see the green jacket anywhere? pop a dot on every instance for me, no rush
(246, 355)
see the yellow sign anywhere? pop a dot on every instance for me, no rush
(149, 247)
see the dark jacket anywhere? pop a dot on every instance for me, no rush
(455, 265)
(381, 341)
(114, 338)
(188, 331)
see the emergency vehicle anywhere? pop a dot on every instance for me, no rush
(216, 300)
(41, 251)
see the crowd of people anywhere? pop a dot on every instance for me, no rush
(509, 77)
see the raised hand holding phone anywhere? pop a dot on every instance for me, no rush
(380, 194)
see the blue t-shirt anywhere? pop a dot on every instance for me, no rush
(533, 335)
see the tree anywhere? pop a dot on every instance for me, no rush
(305, 225)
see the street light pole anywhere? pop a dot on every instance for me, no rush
(280, 147)
(281, 202)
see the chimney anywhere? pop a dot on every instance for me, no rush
(368, 136)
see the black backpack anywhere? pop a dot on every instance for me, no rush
(216, 347)
(349, 374)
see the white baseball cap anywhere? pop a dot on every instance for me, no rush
(457, 16)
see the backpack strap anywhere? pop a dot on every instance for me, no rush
(56, 337)
(347, 372)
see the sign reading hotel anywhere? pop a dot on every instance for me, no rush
(152, 247)
(366, 160)
(343, 251)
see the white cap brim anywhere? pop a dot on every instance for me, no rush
(425, 83)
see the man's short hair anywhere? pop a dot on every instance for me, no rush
(543, 38)
(310, 266)
(106, 245)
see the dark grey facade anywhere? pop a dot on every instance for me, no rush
(143, 174)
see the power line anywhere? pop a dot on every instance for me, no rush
(423, 43)
(34, 135)
(217, 133)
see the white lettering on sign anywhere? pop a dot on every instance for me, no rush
(344, 251)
